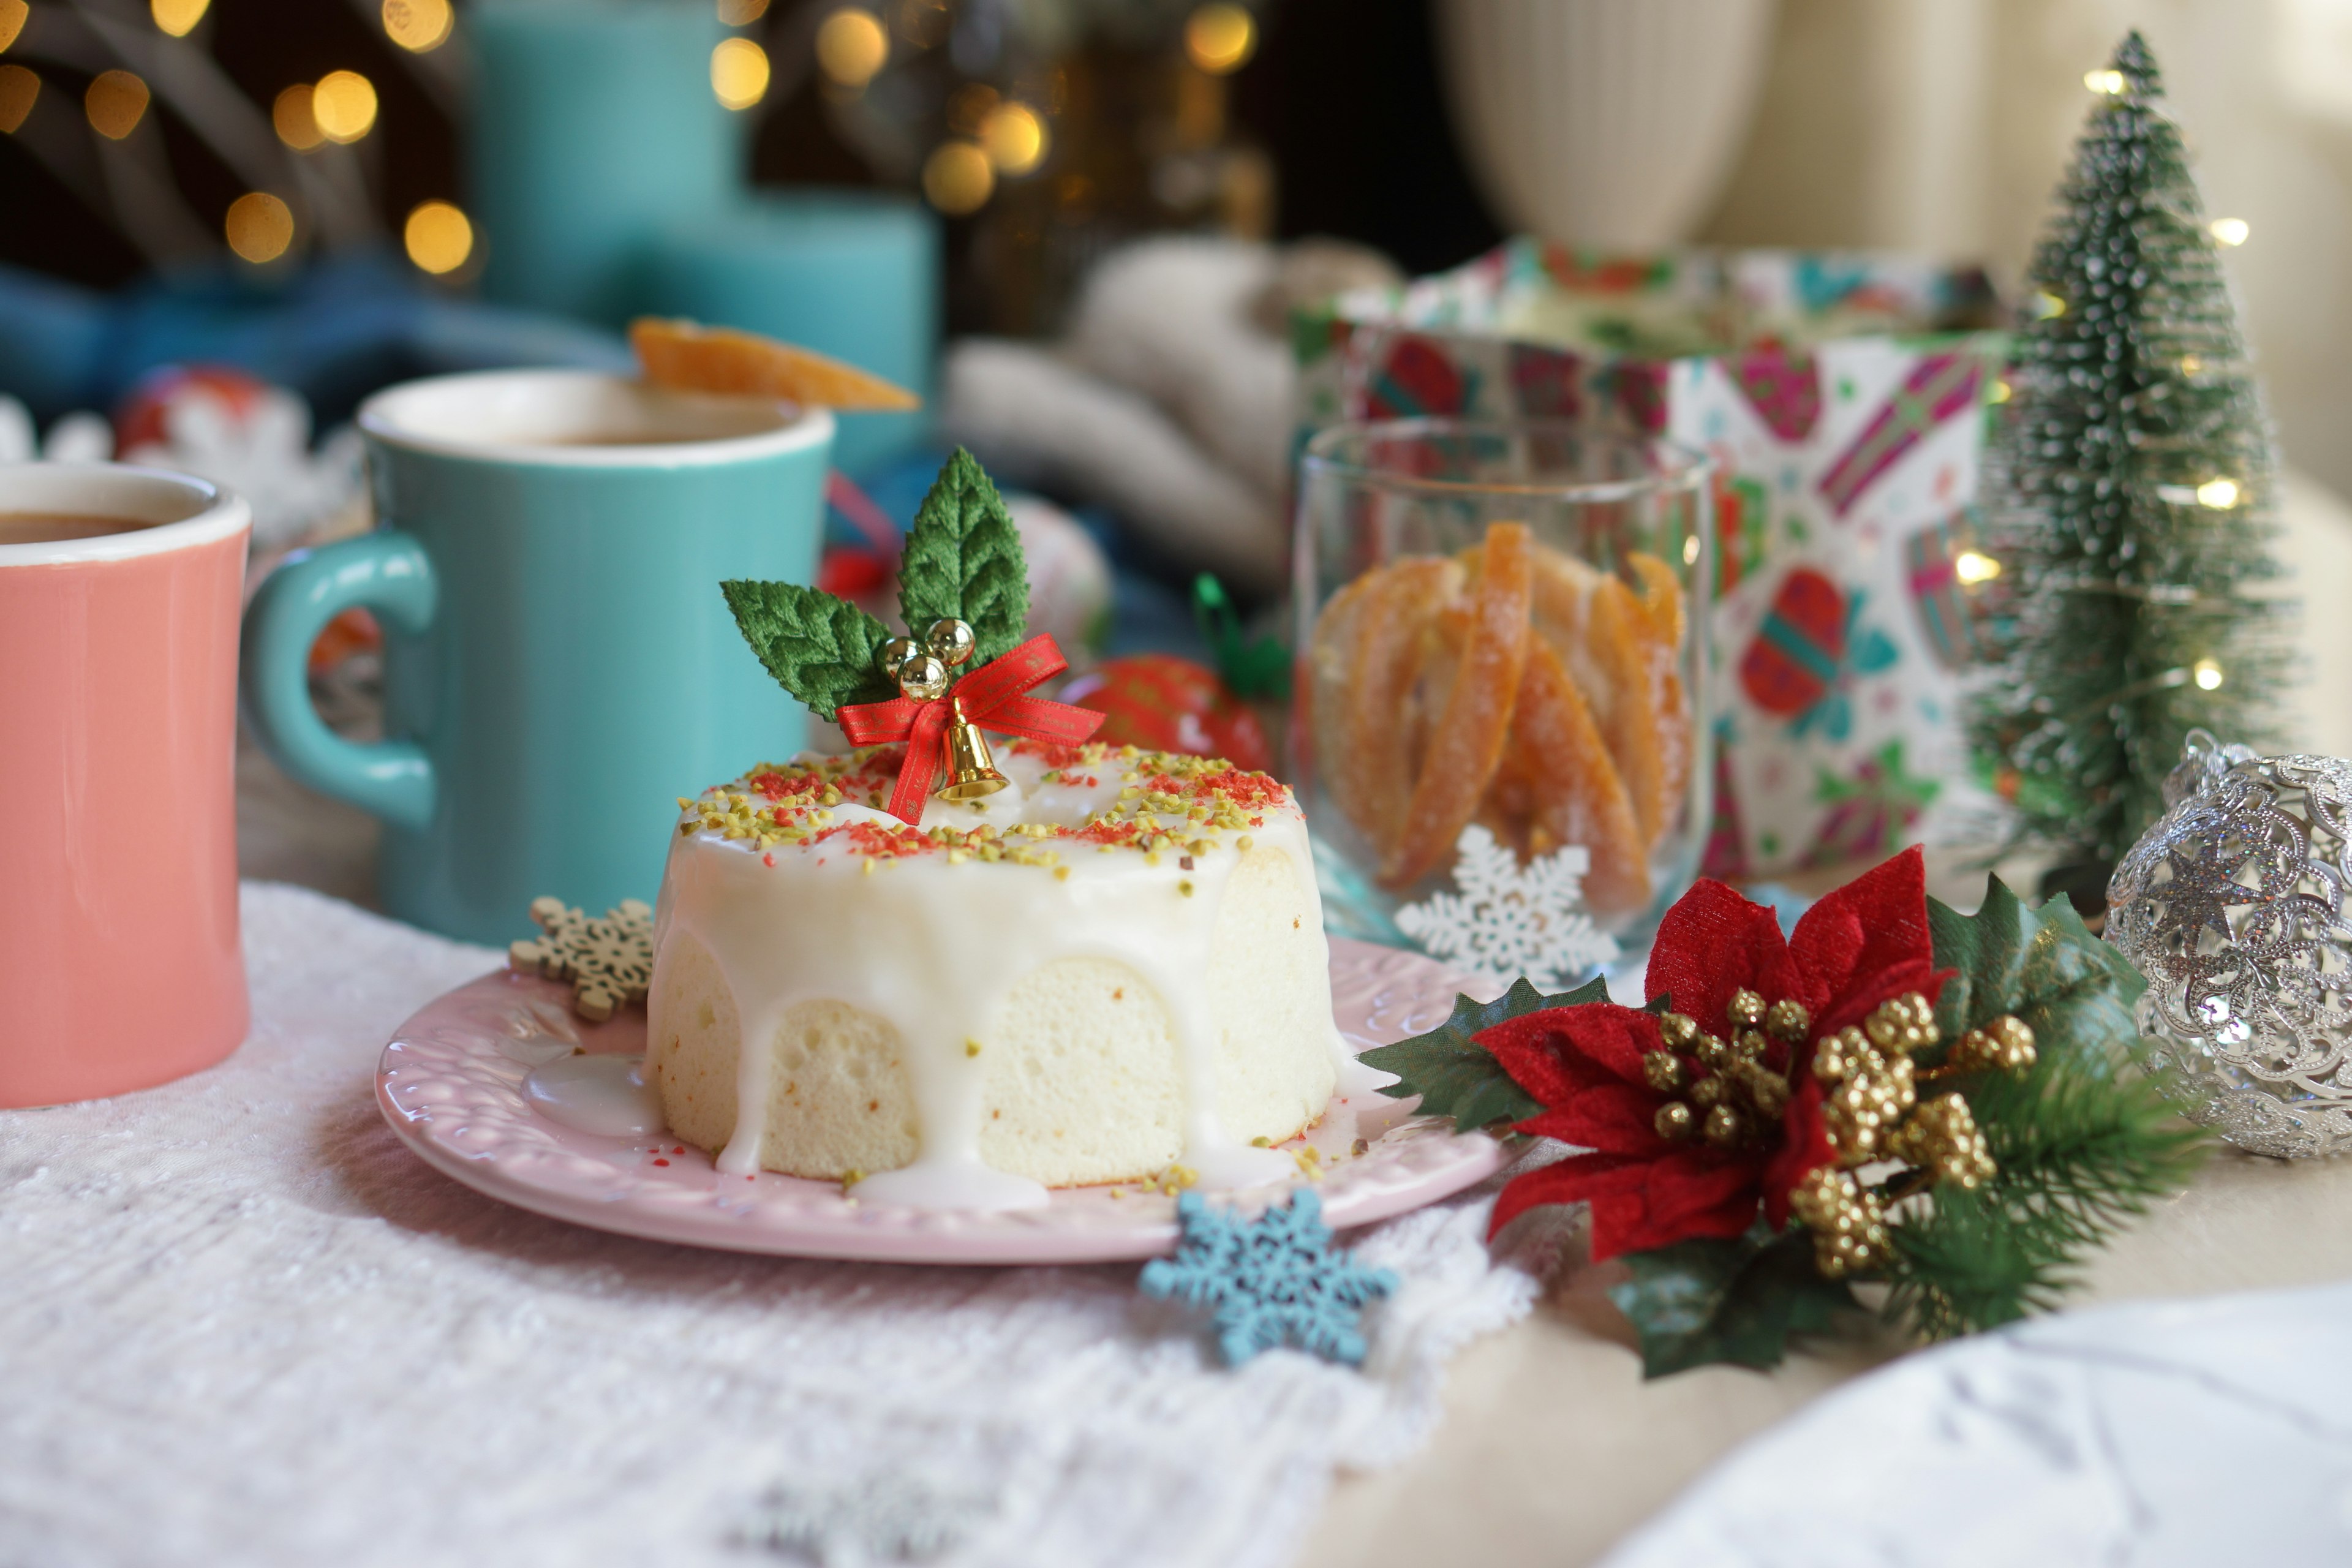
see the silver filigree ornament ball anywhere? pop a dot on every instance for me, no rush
(2232, 907)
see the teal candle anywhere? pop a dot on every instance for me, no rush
(594, 123)
(848, 273)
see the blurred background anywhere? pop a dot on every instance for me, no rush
(1100, 236)
(187, 132)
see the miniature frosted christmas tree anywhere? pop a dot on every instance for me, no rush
(2129, 488)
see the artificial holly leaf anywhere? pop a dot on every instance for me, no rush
(963, 561)
(2042, 964)
(819, 648)
(1739, 1301)
(1454, 1075)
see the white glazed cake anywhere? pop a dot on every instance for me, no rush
(1112, 967)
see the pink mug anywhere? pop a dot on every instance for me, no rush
(119, 965)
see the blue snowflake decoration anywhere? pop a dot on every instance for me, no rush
(1270, 1282)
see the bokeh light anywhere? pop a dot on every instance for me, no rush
(738, 72)
(2103, 82)
(260, 227)
(438, 236)
(741, 13)
(2219, 494)
(291, 118)
(1220, 37)
(2230, 230)
(343, 103)
(417, 25)
(116, 102)
(852, 46)
(958, 178)
(2001, 391)
(12, 21)
(178, 17)
(1014, 138)
(2208, 673)
(1974, 566)
(18, 88)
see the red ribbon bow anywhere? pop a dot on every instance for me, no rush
(990, 697)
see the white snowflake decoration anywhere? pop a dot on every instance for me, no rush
(1506, 919)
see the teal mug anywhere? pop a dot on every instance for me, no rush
(559, 665)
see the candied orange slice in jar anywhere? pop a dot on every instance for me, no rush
(1370, 644)
(1659, 636)
(685, 356)
(1466, 744)
(1578, 798)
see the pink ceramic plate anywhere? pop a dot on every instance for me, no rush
(451, 1084)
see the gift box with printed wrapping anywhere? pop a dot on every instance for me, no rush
(1842, 398)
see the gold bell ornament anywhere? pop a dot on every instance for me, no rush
(923, 671)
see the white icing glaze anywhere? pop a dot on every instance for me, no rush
(934, 948)
(606, 1095)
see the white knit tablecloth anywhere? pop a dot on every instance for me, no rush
(239, 1323)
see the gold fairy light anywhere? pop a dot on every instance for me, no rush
(1974, 566)
(852, 46)
(1220, 37)
(1690, 551)
(178, 17)
(2048, 306)
(1014, 138)
(116, 102)
(2111, 82)
(741, 13)
(12, 21)
(2229, 231)
(2219, 494)
(2002, 393)
(2208, 674)
(18, 89)
(958, 178)
(291, 118)
(343, 103)
(418, 25)
(260, 227)
(738, 72)
(437, 236)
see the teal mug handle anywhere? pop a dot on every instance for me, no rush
(388, 573)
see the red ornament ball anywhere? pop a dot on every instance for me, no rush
(1168, 704)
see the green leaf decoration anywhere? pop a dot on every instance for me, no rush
(2082, 1144)
(820, 648)
(1739, 1301)
(2044, 966)
(963, 561)
(1454, 1074)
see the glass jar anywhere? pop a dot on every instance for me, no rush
(1500, 727)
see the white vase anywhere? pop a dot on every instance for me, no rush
(1603, 122)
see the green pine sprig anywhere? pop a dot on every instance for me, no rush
(2080, 1144)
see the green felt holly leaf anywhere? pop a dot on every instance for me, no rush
(1454, 1074)
(963, 561)
(1702, 1301)
(819, 648)
(2042, 964)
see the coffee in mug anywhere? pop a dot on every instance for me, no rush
(49, 526)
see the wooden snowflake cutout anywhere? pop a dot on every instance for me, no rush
(609, 959)
(1505, 920)
(1269, 1282)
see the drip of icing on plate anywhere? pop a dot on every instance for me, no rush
(934, 949)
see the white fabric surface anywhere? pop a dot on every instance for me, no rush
(240, 1323)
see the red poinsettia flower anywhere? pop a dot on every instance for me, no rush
(1859, 946)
